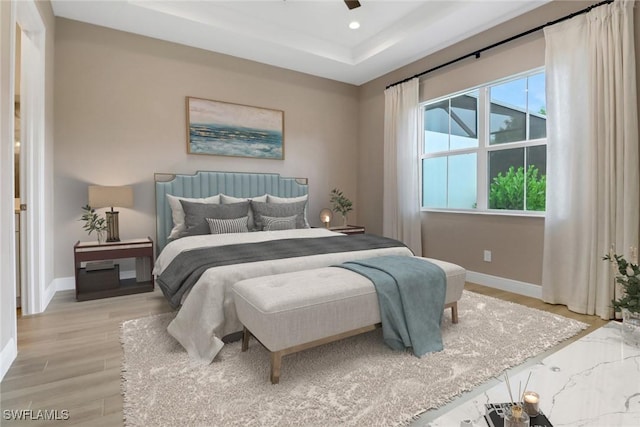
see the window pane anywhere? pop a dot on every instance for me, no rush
(462, 181)
(451, 124)
(434, 182)
(537, 105)
(464, 121)
(508, 112)
(436, 127)
(506, 179)
(536, 178)
(450, 182)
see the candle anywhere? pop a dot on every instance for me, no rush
(531, 403)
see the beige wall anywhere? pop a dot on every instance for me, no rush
(516, 242)
(120, 117)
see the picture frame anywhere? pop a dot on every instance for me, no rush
(220, 128)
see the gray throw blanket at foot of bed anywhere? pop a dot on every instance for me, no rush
(411, 294)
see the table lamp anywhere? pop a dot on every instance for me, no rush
(325, 216)
(103, 197)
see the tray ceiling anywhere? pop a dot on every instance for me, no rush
(308, 36)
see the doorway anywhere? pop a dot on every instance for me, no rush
(29, 180)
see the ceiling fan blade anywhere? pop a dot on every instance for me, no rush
(352, 4)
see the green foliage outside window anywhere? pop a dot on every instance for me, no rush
(507, 191)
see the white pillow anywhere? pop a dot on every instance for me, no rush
(276, 199)
(177, 213)
(224, 199)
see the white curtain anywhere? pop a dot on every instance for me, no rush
(401, 190)
(592, 147)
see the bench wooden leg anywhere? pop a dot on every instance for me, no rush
(454, 312)
(245, 339)
(276, 360)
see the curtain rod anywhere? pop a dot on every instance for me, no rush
(507, 40)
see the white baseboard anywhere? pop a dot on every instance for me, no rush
(510, 285)
(65, 283)
(7, 356)
(49, 293)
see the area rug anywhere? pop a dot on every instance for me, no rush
(354, 382)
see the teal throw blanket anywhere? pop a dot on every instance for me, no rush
(411, 295)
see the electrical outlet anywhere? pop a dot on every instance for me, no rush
(487, 256)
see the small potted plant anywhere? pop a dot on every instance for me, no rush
(92, 222)
(628, 277)
(340, 204)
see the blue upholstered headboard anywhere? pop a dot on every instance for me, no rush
(204, 183)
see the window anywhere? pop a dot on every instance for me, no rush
(485, 149)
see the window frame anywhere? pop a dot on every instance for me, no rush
(482, 150)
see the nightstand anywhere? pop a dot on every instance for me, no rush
(97, 276)
(348, 229)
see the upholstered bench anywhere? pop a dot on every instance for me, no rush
(295, 311)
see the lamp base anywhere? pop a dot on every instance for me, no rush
(113, 234)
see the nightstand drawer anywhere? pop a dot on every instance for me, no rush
(98, 280)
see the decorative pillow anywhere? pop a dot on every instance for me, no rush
(177, 213)
(223, 226)
(195, 215)
(224, 199)
(272, 223)
(276, 199)
(278, 210)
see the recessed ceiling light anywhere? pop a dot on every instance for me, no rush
(354, 25)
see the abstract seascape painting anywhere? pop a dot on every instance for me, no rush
(226, 129)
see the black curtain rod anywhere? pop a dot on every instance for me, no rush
(510, 39)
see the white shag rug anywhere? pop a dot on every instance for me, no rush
(354, 382)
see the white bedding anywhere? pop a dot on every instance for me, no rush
(208, 311)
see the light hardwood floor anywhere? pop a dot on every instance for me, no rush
(70, 356)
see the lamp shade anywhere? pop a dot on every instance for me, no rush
(102, 197)
(325, 216)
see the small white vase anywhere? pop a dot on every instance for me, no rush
(102, 237)
(631, 327)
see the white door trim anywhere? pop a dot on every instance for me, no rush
(32, 107)
(8, 325)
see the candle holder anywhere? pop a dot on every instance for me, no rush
(515, 416)
(531, 401)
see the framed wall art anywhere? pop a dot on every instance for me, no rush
(226, 129)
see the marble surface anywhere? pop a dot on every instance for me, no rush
(594, 381)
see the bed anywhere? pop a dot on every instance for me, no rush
(206, 309)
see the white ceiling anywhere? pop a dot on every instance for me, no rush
(303, 35)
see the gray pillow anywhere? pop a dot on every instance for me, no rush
(276, 199)
(224, 226)
(224, 199)
(195, 215)
(278, 210)
(273, 223)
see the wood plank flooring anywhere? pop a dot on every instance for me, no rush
(69, 357)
